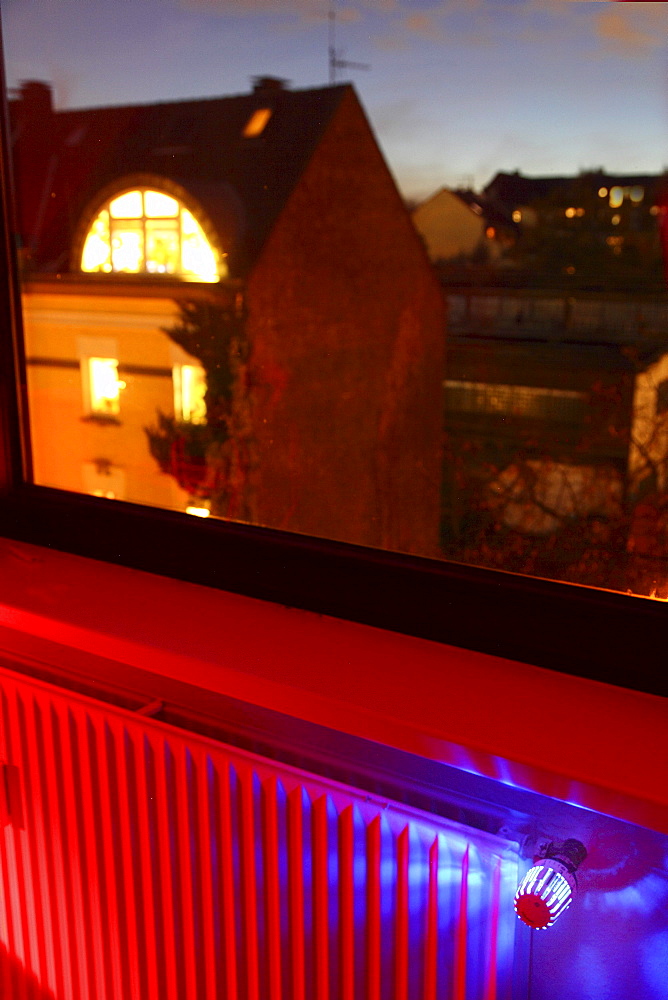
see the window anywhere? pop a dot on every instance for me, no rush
(104, 386)
(100, 382)
(334, 453)
(257, 123)
(561, 405)
(145, 231)
(103, 479)
(189, 392)
(333, 458)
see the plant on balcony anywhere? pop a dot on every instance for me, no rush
(212, 460)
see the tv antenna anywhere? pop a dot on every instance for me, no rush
(335, 57)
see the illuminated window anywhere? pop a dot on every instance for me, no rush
(636, 194)
(101, 478)
(197, 510)
(189, 391)
(149, 232)
(616, 197)
(103, 386)
(515, 400)
(257, 122)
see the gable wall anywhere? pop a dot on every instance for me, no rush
(347, 332)
(448, 226)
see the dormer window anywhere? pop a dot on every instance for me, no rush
(144, 231)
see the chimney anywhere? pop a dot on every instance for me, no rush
(268, 84)
(36, 99)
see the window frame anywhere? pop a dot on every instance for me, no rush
(597, 634)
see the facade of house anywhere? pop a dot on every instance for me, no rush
(461, 225)
(449, 227)
(276, 210)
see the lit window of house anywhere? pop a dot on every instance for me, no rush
(189, 391)
(616, 197)
(535, 402)
(104, 386)
(101, 478)
(149, 232)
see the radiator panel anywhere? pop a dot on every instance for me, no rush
(141, 862)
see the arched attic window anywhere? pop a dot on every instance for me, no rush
(146, 231)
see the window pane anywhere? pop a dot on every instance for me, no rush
(160, 206)
(104, 386)
(97, 248)
(162, 246)
(471, 367)
(127, 246)
(127, 206)
(197, 256)
(189, 393)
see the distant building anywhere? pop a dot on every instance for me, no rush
(276, 209)
(595, 230)
(556, 408)
(517, 193)
(460, 225)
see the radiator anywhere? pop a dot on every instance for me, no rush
(143, 862)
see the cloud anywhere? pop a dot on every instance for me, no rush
(424, 25)
(344, 10)
(632, 30)
(249, 7)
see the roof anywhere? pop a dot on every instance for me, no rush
(66, 158)
(495, 215)
(478, 204)
(514, 190)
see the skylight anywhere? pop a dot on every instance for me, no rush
(257, 122)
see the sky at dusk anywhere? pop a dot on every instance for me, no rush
(455, 90)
